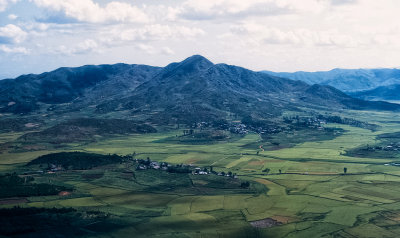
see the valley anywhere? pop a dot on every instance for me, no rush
(194, 149)
(305, 191)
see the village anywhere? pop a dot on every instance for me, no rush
(180, 168)
(389, 147)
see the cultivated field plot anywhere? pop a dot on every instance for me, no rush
(310, 189)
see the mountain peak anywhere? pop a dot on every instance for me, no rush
(196, 58)
(197, 62)
(191, 65)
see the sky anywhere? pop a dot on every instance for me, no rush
(278, 35)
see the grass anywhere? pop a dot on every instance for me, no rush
(311, 194)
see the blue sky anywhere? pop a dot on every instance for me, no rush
(278, 35)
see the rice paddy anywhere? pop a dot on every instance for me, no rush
(307, 190)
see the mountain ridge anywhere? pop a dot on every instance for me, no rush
(347, 80)
(390, 92)
(192, 90)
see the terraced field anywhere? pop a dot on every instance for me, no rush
(305, 192)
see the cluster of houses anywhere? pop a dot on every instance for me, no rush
(179, 168)
(236, 128)
(239, 129)
(315, 122)
(205, 171)
(53, 168)
(310, 122)
(148, 164)
(390, 147)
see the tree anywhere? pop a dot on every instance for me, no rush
(148, 161)
(266, 170)
(345, 170)
(245, 184)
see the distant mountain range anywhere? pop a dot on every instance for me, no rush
(185, 92)
(353, 81)
(388, 93)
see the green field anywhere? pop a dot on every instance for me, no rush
(306, 190)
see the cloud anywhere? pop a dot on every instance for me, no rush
(11, 34)
(155, 32)
(146, 48)
(12, 16)
(343, 2)
(87, 46)
(259, 34)
(89, 11)
(20, 50)
(167, 51)
(217, 9)
(153, 50)
(4, 4)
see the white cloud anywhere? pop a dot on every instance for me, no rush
(167, 51)
(260, 34)
(148, 49)
(12, 16)
(11, 34)
(87, 46)
(89, 11)
(20, 50)
(343, 2)
(4, 4)
(155, 32)
(214, 9)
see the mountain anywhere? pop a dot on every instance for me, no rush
(190, 91)
(25, 93)
(391, 92)
(347, 80)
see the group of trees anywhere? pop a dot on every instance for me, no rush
(52, 222)
(245, 184)
(188, 132)
(306, 121)
(11, 185)
(179, 169)
(267, 170)
(261, 125)
(77, 160)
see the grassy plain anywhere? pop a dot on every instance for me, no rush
(307, 190)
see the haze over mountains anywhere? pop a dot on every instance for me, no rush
(368, 84)
(185, 92)
(389, 93)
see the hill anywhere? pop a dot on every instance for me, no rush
(391, 92)
(347, 80)
(64, 85)
(190, 91)
(86, 129)
(198, 90)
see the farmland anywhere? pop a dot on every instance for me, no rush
(298, 189)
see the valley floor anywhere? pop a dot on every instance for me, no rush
(308, 194)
